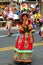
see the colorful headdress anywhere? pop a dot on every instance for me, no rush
(24, 7)
(25, 13)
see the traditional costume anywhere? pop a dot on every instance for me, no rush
(24, 42)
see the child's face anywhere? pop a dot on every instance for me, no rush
(25, 17)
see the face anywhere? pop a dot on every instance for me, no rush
(7, 8)
(25, 17)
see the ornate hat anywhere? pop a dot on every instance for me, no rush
(25, 13)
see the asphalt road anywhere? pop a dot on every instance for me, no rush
(6, 56)
(37, 58)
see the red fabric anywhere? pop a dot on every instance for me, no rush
(30, 21)
(30, 43)
(21, 31)
(17, 42)
(18, 24)
(22, 44)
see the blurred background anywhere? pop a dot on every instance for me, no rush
(16, 4)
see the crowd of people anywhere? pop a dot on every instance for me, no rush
(12, 14)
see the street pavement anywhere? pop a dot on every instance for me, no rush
(7, 55)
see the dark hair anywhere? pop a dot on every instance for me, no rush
(37, 19)
(10, 19)
(24, 14)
